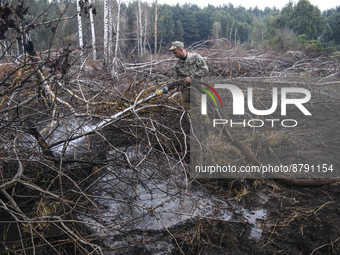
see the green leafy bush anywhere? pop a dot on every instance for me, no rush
(316, 44)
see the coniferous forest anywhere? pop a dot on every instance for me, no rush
(132, 26)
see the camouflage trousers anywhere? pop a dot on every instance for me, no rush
(191, 103)
(194, 101)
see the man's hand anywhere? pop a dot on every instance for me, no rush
(187, 80)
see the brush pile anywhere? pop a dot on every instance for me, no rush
(47, 179)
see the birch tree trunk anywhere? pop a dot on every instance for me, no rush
(156, 20)
(140, 29)
(145, 26)
(110, 47)
(80, 27)
(106, 30)
(117, 30)
(93, 34)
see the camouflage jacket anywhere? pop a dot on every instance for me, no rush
(193, 66)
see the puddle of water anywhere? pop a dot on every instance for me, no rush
(69, 128)
(125, 203)
(140, 205)
(253, 217)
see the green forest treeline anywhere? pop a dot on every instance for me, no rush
(296, 24)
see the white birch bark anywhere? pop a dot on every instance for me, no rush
(145, 26)
(156, 20)
(106, 30)
(93, 34)
(110, 47)
(117, 30)
(140, 29)
(80, 27)
(235, 35)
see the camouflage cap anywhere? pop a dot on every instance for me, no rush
(176, 44)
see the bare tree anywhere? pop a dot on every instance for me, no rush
(142, 26)
(106, 31)
(139, 30)
(34, 181)
(80, 27)
(117, 29)
(111, 29)
(156, 26)
(93, 33)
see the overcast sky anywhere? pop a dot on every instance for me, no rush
(279, 4)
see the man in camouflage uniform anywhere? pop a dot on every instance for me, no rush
(188, 67)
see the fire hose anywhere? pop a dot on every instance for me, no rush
(164, 90)
(108, 121)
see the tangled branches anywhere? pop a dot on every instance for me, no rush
(229, 62)
(52, 168)
(70, 184)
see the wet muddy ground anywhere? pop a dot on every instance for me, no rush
(299, 220)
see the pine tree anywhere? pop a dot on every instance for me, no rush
(166, 25)
(190, 26)
(306, 19)
(336, 32)
(179, 31)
